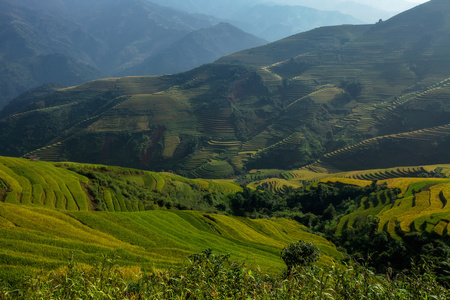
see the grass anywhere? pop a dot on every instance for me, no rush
(207, 275)
(46, 238)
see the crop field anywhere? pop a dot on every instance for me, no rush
(34, 238)
(41, 184)
(326, 94)
(435, 91)
(383, 174)
(197, 160)
(66, 186)
(350, 157)
(260, 141)
(275, 185)
(170, 145)
(143, 84)
(219, 186)
(216, 123)
(214, 169)
(148, 111)
(271, 80)
(421, 205)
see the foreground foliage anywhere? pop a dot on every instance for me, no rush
(213, 276)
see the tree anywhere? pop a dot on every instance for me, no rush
(300, 253)
(352, 87)
(329, 213)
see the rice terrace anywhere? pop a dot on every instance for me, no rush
(315, 166)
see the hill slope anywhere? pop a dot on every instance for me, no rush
(78, 187)
(283, 105)
(49, 214)
(38, 238)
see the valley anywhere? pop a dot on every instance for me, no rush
(201, 182)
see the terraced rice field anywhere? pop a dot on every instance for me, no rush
(170, 145)
(197, 160)
(275, 185)
(421, 206)
(52, 185)
(42, 184)
(325, 94)
(217, 123)
(382, 174)
(266, 141)
(226, 148)
(34, 238)
(220, 186)
(303, 175)
(271, 80)
(433, 92)
(149, 110)
(260, 141)
(355, 152)
(214, 169)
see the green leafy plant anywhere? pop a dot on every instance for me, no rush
(300, 254)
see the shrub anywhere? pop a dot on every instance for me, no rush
(300, 253)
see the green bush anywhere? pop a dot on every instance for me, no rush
(300, 254)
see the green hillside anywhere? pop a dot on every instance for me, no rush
(53, 212)
(81, 187)
(418, 205)
(39, 238)
(351, 91)
(50, 211)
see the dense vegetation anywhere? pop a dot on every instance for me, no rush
(215, 276)
(384, 223)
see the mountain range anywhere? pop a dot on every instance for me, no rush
(58, 41)
(368, 95)
(268, 20)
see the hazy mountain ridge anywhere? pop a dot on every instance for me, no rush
(265, 19)
(99, 39)
(197, 48)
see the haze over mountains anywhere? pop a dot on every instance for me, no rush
(339, 94)
(276, 19)
(66, 42)
(70, 43)
(268, 20)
